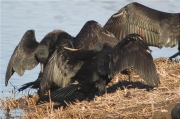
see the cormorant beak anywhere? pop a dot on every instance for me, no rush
(71, 49)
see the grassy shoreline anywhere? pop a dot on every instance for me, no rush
(124, 99)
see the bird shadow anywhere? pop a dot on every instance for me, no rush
(128, 85)
(91, 95)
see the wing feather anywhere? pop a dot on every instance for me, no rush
(23, 57)
(133, 52)
(156, 27)
(91, 34)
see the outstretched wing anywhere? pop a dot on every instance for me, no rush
(23, 57)
(131, 52)
(91, 35)
(157, 28)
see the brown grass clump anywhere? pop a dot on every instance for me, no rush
(124, 100)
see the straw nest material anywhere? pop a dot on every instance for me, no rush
(124, 99)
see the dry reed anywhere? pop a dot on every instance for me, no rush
(125, 102)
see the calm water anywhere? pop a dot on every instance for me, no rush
(43, 16)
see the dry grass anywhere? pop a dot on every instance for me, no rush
(124, 102)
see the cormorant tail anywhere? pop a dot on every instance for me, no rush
(34, 84)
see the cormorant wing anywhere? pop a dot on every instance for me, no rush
(155, 27)
(91, 39)
(23, 57)
(92, 35)
(130, 52)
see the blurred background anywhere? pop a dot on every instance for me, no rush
(44, 16)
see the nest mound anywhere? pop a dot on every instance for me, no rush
(124, 99)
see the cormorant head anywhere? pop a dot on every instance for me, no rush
(42, 53)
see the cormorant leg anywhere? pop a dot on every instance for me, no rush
(40, 75)
(41, 66)
(105, 90)
(173, 56)
(129, 78)
(101, 86)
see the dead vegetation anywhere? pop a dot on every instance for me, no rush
(123, 99)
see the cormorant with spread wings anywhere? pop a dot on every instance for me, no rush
(105, 59)
(28, 53)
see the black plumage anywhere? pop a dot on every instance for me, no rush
(97, 71)
(175, 112)
(23, 57)
(157, 28)
(57, 63)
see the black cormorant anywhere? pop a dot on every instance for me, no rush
(28, 53)
(59, 65)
